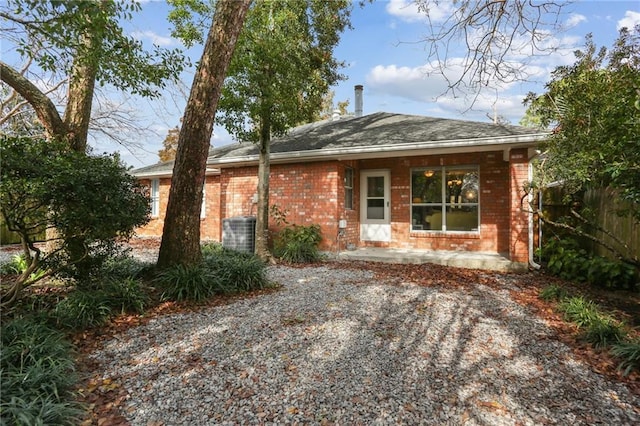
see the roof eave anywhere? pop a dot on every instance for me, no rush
(396, 150)
(168, 173)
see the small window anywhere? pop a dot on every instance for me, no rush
(203, 206)
(348, 188)
(155, 197)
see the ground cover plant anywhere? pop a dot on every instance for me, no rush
(596, 327)
(221, 272)
(38, 390)
(37, 375)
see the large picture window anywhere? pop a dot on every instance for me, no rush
(445, 199)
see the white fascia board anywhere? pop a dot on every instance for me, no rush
(395, 150)
(168, 173)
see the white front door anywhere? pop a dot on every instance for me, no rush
(375, 210)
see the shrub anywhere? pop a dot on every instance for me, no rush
(83, 309)
(629, 353)
(124, 267)
(297, 244)
(191, 282)
(236, 272)
(567, 260)
(211, 249)
(553, 292)
(91, 201)
(37, 375)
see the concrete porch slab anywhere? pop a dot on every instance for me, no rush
(458, 259)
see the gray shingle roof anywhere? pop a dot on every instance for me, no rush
(374, 132)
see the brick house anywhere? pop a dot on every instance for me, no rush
(379, 180)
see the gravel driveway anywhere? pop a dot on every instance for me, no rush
(336, 346)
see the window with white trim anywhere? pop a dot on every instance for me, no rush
(155, 197)
(445, 199)
(348, 188)
(203, 206)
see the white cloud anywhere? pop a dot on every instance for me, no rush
(156, 39)
(630, 20)
(575, 19)
(426, 91)
(411, 11)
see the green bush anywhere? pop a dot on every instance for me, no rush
(566, 259)
(83, 309)
(91, 201)
(125, 295)
(37, 375)
(181, 283)
(211, 249)
(298, 244)
(553, 292)
(124, 267)
(235, 272)
(221, 272)
(629, 353)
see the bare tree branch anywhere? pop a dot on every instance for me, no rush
(501, 38)
(43, 106)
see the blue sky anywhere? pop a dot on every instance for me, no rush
(382, 52)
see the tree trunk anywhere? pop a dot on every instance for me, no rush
(264, 167)
(80, 96)
(181, 233)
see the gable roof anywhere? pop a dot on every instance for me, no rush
(375, 135)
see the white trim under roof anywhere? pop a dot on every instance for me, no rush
(168, 173)
(395, 150)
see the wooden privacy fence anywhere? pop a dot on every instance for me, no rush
(605, 203)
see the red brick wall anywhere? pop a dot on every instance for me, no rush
(313, 193)
(494, 203)
(155, 225)
(209, 225)
(519, 230)
(310, 195)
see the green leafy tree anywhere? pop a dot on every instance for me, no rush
(593, 110)
(281, 72)
(81, 41)
(90, 200)
(181, 233)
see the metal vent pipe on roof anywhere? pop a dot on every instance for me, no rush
(358, 90)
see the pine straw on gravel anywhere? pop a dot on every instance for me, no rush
(357, 343)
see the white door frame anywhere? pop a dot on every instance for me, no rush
(375, 229)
